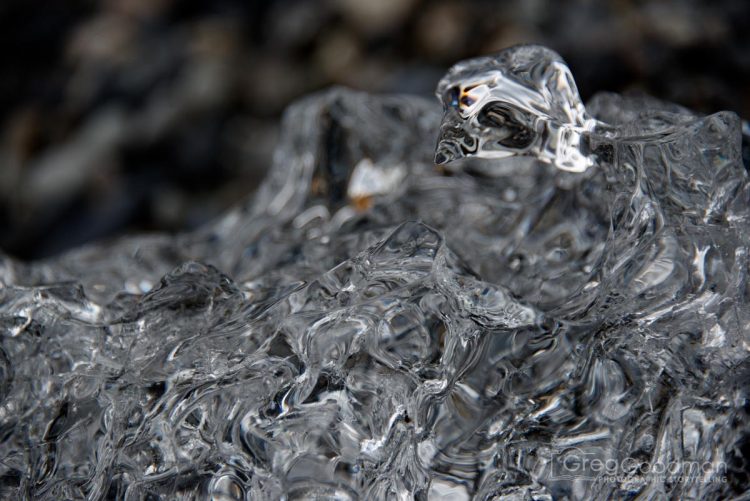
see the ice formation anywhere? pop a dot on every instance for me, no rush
(560, 312)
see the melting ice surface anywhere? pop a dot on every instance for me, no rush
(566, 318)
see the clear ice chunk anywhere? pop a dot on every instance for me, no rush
(558, 311)
(516, 102)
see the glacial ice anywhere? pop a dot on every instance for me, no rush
(567, 289)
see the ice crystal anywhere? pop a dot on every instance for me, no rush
(560, 311)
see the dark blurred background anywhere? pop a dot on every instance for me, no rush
(144, 115)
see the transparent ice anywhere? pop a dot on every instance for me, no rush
(567, 289)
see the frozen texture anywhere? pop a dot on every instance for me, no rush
(369, 326)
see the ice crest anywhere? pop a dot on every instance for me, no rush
(521, 101)
(561, 313)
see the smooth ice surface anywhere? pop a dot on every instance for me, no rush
(566, 317)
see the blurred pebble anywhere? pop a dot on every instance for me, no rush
(375, 17)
